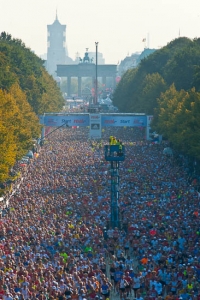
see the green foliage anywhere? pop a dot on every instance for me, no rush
(20, 65)
(177, 63)
(166, 84)
(181, 68)
(151, 88)
(7, 78)
(177, 118)
(123, 91)
(44, 94)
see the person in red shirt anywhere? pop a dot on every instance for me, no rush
(129, 283)
(2, 292)
(91, 272)
(115, 233)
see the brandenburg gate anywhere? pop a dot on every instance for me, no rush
(86, 68)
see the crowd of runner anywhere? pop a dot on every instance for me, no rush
(55, 239)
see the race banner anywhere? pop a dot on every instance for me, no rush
(70, 120)
(107, 120)
(129, 121)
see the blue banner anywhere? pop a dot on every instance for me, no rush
(71, 120)
(84, 120)
(129, 121)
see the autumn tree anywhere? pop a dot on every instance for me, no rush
(26, 90)
(178, 118)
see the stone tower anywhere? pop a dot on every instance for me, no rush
(57, 53)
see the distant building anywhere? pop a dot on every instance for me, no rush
(133, 61)
(57, 53)
(100, 59)
(128, 63)
(145, 53)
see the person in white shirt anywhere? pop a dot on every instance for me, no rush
(25, 292)
(110, 233)
(136, 284)
(62, 286)
(129, 262)
(7, 296)
(122, 287)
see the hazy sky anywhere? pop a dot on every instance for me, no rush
(118, 25)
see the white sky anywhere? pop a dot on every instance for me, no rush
(118, 25)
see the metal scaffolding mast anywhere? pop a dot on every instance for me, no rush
(114, 155)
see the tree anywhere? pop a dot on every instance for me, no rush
(8, 146)
(178, 120)
(22, 66)
(26, 90)
(123, 91)
(25, 120)
(152, 86)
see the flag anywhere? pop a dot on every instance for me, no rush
(144, 40)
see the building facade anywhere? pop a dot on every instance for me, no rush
(57, 52)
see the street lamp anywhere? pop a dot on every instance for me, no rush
(96, 85)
